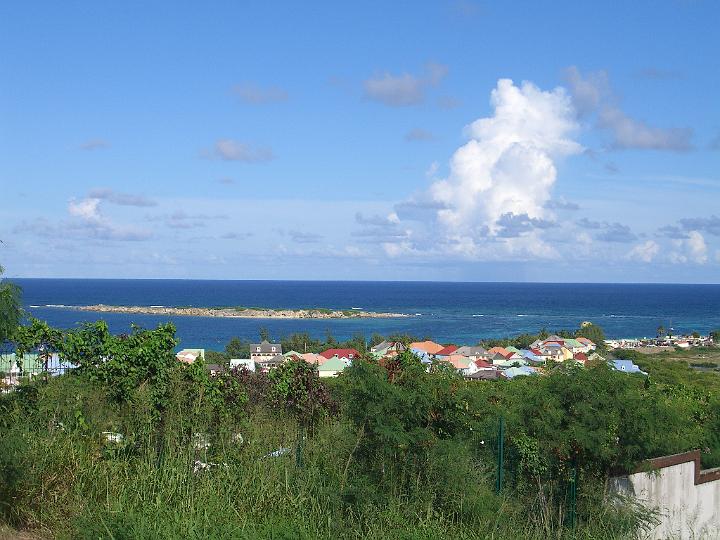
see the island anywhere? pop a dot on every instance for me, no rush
(241, 312)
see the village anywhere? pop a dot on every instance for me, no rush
(471, 362)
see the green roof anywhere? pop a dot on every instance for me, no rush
(333, 364)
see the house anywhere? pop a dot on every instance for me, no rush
(473, 353)
(459, 361)
(270, 363)
(499, 350)
(215, 369)
(314, 358)
(580, 357)
(589, 344)
(429, 347)
(242, 363)
(479, 365)
(332, 367)
(188, 356)
(447, 351)
(530, 356)
(346, 355)
(263, 351)
(626, 366)
(519, 371)
(424, 356)
(484, 375)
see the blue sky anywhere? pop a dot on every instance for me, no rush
(522, 141)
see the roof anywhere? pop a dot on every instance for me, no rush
(340, 353)
(585, 341)
(458, 361)
(582, 357)
(383, 345)
(502, 351)
(333, 364)
(313, 358)
(482, 364)
(428, 346)
(472, 351)
(628, 366)
(573, 343)
(515, 371)
(484, 375)
(446, 351)
(265, 347)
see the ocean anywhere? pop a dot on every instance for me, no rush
(447, 312)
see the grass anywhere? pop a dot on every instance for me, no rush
(60, 478)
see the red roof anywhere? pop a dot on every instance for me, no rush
(447, 351)
(341, 353)
(580, 356)
(482, 364)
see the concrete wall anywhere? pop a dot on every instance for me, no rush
(687, 498)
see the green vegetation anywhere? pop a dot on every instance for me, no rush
(133, 444)
(10, 308)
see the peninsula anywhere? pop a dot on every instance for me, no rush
(241, 312)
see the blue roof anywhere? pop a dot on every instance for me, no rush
(627, 366)
(515, 371)
(529, 355)
(423, 355)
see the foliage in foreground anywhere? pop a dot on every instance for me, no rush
(383, 451)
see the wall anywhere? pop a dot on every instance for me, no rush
(687, 498)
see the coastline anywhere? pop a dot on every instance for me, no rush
(237, 312)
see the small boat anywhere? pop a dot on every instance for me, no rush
(356, 308)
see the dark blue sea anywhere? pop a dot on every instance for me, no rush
(447, 312)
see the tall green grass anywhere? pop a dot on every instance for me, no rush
(59, 476)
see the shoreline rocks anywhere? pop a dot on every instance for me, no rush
(239, 312)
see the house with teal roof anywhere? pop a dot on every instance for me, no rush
(332, 367)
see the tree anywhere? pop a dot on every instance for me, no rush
(661, 331)
(695, 334)
(593, 332)
(715, 335)
(264, 334)
(10, 308)
(237, 348)
(40, 337)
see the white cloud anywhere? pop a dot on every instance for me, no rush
(508, 164)
(493, 204)
(86, 209)
(404, 89)
(691, 249)
(230, 150)
(644, 252)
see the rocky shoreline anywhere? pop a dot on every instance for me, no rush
(240, 312)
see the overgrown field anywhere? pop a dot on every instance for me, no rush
(134, 445)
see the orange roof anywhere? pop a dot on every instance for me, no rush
(429, 347)
(459, 361)
(585, 340)
(500, 350)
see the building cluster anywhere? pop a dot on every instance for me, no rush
(472, 362)
(668, 342)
